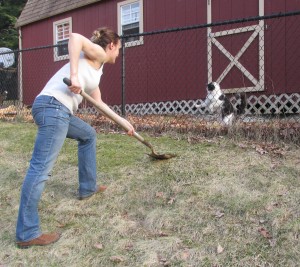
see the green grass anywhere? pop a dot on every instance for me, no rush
(175, 212)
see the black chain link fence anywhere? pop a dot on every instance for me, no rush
(167, 72)
(255, 62)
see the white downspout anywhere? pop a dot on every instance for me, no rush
(20, 67)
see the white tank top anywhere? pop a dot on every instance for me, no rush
(88, 77)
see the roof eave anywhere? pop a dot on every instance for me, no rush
(19, 24)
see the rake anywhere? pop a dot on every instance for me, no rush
(111, 115)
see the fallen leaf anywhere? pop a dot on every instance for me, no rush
(185, 255)
(261, 150)
(98, 246)
(241, 145)
(129, 246)
(253, 220)
(162, 234)
(219, 214)
(264, 233)
(273, 165)
(280, 152)
(271, 206)
(171, 201)
(272, 242)
(220, 249)
(60, 225)
(117, 259)
(162, 259)
(262, 221)
(159, 194)
(282, 193)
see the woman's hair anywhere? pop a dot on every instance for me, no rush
(104, 36)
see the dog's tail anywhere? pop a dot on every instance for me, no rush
(240, 108)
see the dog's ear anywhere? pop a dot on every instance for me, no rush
(222, 97)
(210, 86)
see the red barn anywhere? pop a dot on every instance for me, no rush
(242, 56)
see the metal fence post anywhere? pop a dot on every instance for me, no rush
(123, 79)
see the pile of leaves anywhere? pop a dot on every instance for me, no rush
(263, 131)
(274, 131)
(12, 113)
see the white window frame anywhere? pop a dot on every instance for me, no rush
(65, 38)
(140, 41)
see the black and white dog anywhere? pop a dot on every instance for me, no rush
(217, 102)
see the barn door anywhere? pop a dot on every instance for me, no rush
(236, 52)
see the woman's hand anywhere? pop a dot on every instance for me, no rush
(75, 85)
(130, 127)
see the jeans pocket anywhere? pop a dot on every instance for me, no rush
(38, 115)
(61, 115)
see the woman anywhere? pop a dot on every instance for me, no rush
(53, 111)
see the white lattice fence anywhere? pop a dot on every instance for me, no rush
(273, 104)
(256, 105)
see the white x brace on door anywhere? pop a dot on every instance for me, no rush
(258, 32)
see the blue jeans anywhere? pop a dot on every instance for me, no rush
(55, 122)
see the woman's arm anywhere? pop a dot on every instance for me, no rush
(96, 94)
(92, 52)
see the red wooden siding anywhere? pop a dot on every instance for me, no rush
(279, 74)
(282, 56)
(165, 70)
(228, 10)
(152, 73)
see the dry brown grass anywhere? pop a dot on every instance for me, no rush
(221, 202)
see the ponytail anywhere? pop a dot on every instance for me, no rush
(104, 36)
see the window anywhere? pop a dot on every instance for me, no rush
(61, 34)
(130, 20)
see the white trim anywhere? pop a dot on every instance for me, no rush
(234, 60)
(234, 31)
(141, 21)
(55, 24)
(261, 7)
(20, 63)
(258, 32)
(209, 19)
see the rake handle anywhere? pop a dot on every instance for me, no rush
(109, 113)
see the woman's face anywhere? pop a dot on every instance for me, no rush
(112, 52)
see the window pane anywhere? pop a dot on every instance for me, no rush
(131, 26)
(135, 7)
(126, 9)
(130, 13)
(131, 29)
(135, 16)
(62, 49)
(62, 31)
(126, 19)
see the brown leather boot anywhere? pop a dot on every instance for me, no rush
(101, 188)
(43, 240)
